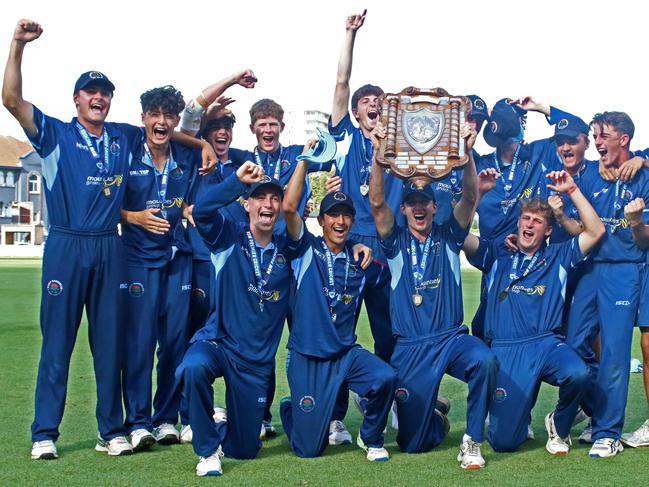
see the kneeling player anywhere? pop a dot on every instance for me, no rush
(240, 338)
(323, 353)
(426, 312)
(525, 299)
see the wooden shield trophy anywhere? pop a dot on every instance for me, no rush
(423, 139)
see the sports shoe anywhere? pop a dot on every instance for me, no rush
(586, 435)
(447, 424)
(443, 405)
(166, 434)
(580, 417)
(141, 439)
(210, 465)
(220, 414)
(530, 432)
(555, 444)
(186, 434)
(115, 447)
(267, 430)
(470, 457)
(338, 434)
(639, 437)
(605, 447)
(373, 454)
(44, 450)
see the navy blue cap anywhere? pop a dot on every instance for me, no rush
(265, 182)
(332, 200)
(504, 122)
(410, 189)
(478, 107)
(93, 78)
(570, 126)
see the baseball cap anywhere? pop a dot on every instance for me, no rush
(93, 78)
(337, 199)
(570, 126)
(504, 123)
(410, 189)
(265, 182)
(478, 107)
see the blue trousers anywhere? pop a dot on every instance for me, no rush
(420, 364)
(158, 313)
(605, 303)
(245, 399)
(523, 365)
(199, 308)
(315, 384)
(80, 270)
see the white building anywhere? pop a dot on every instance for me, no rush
(300, 125)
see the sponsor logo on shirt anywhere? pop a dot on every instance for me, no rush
(139, 172)
(622, 303)
(115, 180)
(614, 223)
(538, 289)
(186, 287)
(171, 203)
(123, 285)
(261, 399)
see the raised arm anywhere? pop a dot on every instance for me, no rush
(633, 213)
(383, 216)
(570, 225)
(594, 229)
(12, 88)
(341, 94)
(465, 208)
(531, 105)
(293, 195)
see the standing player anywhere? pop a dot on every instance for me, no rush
(159, 274)
(426, 312)
(532, 283)
(85, 166)
(323, 353)
(607, 295)
(240, 339)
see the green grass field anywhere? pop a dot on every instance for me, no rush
(79, 464)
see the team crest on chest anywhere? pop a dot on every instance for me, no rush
(177, 173)
(114, 148)
(280, 261)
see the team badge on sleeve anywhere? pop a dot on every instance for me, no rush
(54, 287)
(307, 403)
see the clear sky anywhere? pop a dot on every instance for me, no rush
(582, 56)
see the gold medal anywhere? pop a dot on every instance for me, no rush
(347, 298)
(275, 296)
(503, 294)
(107, 192)
(417, 299)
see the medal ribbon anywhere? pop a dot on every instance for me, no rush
(104, 165)
(162, 186)
(278, 164)
(261, 279)
(512, 169)
(418, 268)
(367, 161)
(332, 294)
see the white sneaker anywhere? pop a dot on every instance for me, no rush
(115, 447)
(141, 439)
(166, 434)
(605, 447)
(586, 435)
(470, 457)
(555, 444)
(639, 437)
(210, 465)
(220, 414)
(44, 450)
(267, 430)
(394, 424)
(373, 454)
(186, 434)
(530, 432)
(338, 434)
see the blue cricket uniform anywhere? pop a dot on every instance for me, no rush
(323, 353)
(241, 336)
(426, 313)
(448, 191)
(159, 286)
(643, 308)
(525, 299)
(499, 208)
(83, 264)
(606, 302)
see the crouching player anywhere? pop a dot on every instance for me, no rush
(240, 338)
(426, 312)
(525, 299)
(323, 353)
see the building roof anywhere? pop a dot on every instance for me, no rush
(11, 150)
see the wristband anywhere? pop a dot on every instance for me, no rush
(571, 189)
(200, 99)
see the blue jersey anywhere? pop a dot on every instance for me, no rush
(233, 212)
(438, 283)
(525, 295)
(247, 316)
(448, 191)
(83, 194)
(324, 313)
(608, 198)
(500, 207)
(280, 165)
(146, 189)
(354, 168)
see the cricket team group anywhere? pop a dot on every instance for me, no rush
(561, 248)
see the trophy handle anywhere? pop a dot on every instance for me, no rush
(436, 92)
(391, 136)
